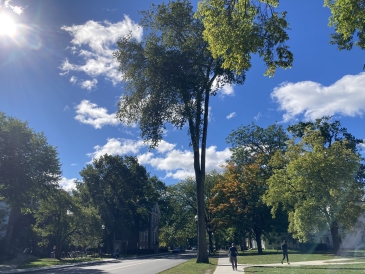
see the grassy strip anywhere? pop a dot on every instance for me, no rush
(51, 262)
(269, 257)
(350, 268)
(191, 267)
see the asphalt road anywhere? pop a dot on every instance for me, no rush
(149, 265)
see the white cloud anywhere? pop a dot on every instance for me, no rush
(258, 116)
(95, 42)
(177, 163)
(73, 79)
(66, 108)
(67, 184)
(227, 90)
(345, 97)
(231, 115)
(164, 146)
(91, 114)
(16, 9)
(73, 164)
(89, 84)
(223, 90)
(118, 147)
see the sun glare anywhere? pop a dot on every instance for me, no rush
(7, 25)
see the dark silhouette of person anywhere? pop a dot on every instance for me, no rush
(233, 256)
(284, 248)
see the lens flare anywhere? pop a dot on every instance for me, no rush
(7, 25)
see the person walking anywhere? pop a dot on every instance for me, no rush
(116, 253)
(284, 248)
(233, 256)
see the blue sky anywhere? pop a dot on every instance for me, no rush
(57, 72)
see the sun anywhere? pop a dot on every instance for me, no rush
(7, 25)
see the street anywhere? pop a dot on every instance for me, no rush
(148, 265)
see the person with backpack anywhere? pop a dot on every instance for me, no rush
(233, 256)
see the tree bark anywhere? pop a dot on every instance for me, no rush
(335, 238)
(258, 240)
(202, 245)
(199, 167)
(210, 241)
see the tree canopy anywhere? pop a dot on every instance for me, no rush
(316, 185)
(62, 221)
(122, 191)
(348, 20)
(238, 29)
(29, 166)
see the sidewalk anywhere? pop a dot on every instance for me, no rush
(224, 266)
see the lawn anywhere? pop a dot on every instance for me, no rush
(191, 267)
(335, 268)
(272, 256)
(50, 262)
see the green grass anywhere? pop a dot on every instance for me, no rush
(272, 256)
(336, 268)
(50, 262)
(191, 267)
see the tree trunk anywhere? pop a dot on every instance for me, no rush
(258, 241)
(335, 238)
(199, 168)
(202, 244)
(210, 241)
(10, 229)
(109, 240)
(58, 250)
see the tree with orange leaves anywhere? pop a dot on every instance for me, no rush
(237, 201)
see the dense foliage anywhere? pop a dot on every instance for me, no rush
(29, 166)
(348, 19)
(238, 29)
(315, 182)
(122, 191)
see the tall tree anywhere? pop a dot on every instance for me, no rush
(169, 78)
(29, 171)
(29, 166)
(316, 184)
(122, 191)
(348, 19)
(238, 29)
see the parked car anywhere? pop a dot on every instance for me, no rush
(194, 248)
(176, 250)
(182, 249)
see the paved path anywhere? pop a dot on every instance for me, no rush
(224, 266)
